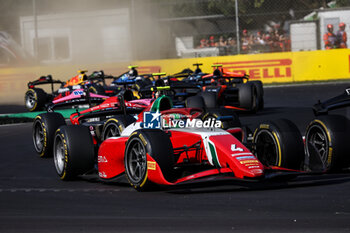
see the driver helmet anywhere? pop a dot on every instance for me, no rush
(330, 27)
(342, 25)
(133, 73)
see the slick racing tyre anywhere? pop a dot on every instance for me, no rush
(195, 102)
(73, 151)
(327, 144)
(96, 89)
(35, 99)
(210, 99)
(155, 143)
(260, 93)
(247, 95)
(127, 95)
(113, 127)
(279, 143)
(44, 128)
(228, 118)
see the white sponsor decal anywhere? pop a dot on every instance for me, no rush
(235, 148)
(102, 159)
(238, 154)
(61, 90)
(347, 91)
(102, 174)
(245, 157)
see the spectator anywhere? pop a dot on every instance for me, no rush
(270, 39)
(212, 42)
(259, 43)
(221, 42)
(231, 47)
(330, 40)
(203, 43)
(246, 41)
(341, 36)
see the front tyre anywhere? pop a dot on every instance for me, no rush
(155, 143)
(279, 143)
(73, 151)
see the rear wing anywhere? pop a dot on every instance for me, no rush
(340, 101)
(99, 76)
(43, 80)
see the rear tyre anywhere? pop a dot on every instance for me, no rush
(157, 144)
(195, 102)
(260, 93)
(279, 143)
(35, 99)
(209, 99)
(327, 143)
(247, 95)
(113, 127)
(73, 151)
(44, 128)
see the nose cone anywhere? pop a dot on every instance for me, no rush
(233, 154)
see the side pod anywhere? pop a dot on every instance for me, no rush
(111, 158)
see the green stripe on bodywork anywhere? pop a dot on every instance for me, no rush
(214, 155)
(156, 103)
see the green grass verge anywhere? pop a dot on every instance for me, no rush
(29, 116)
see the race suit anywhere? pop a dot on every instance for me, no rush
(330, 40)
(342, 38)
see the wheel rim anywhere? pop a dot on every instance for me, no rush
(112, 130)
(30, 100)
(317, 138)
(266, 148)
(38, 137)
(59, 154)
(92, 90)
(136, 161)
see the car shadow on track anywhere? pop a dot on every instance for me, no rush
(244, 186)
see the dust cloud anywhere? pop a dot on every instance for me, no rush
(48, 32)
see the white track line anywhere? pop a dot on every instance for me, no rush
(305, 84)
(55, 190)
(14, 124)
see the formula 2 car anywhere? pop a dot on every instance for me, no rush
(104, 120)
(233, 90)
(327, 136)
(174, 155)
(37, 99)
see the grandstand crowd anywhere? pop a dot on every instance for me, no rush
(274, 40)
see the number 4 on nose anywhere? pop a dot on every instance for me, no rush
(234, 148)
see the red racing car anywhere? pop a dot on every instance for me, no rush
(172, 154)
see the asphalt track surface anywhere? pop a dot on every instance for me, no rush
(33, 199)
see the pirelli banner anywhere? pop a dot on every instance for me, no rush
(269, 68)
(272, 67)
